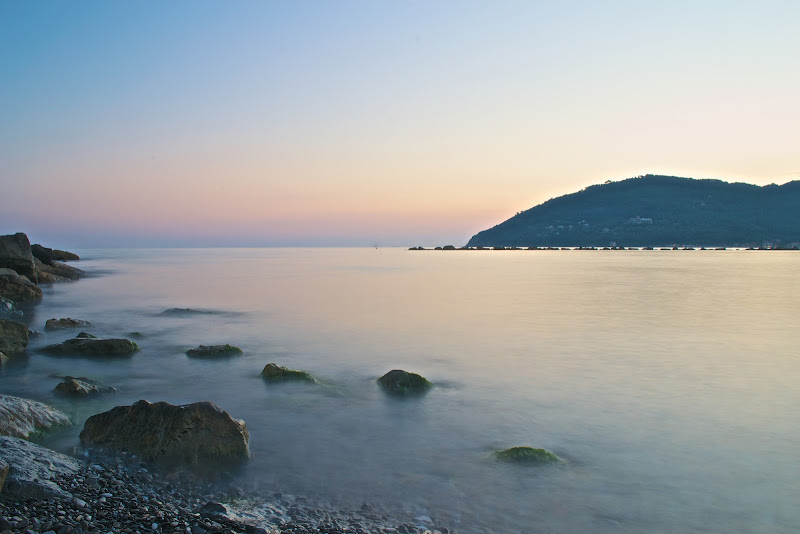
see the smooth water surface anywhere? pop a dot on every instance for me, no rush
(667, 380)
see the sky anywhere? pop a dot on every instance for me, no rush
(356, 123)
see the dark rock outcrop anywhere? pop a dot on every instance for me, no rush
(213, 351)
(22, 417)
(93, 347)
(16, 287)
(15, 254)
(48, 255)
(81, 387)
(170, 435)
(402, 383)
(273, 372)
(13, 336)
(65, 322)
(526, 455)
(32, 468)
(57, 272)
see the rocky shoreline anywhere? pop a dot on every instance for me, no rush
(111, 489)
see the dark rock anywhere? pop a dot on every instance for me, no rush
(183, 312)
(13, 336)
(213, 509)
(526, 455)
(81, 387)
(16, 287)
(86, 335)
(213, 351)
(169, 435)
(136, 335)
(3, 359)
(47, 255)
(65, 322)
(31, 469)
(15, 253)
(403, 383)
(93, 347)
(275, 373)
(8, 310)
(57, 272)
(3, 475)
(22, 417)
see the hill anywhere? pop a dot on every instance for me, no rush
(657, 211)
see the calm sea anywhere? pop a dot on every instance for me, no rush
(667, 380)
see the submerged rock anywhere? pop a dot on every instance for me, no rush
(403, 383)
(213, 351)
(32, 469)
(15, 253)
(182, 312)
(22, 417)
(170, 435)
(57, 272)
(65, 322)
(93, 347)
(526, 455)
(16, 287)
(81, 387)
(86, 335)
(13, 336)
(275, 373)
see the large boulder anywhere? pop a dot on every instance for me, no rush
(65, 322)
(273, 372)
(15, 253)
(169, 435)
(32, 470)
(402, 383)
(213, 351)
(13, 336)
(81, 387)
(22, 417)
(56, 272)
(16, 287)
(93, 347)
(48, 255)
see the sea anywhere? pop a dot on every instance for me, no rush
(668, 382)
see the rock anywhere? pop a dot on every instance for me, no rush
(184, 312)
(3, 473)
(81, 387)
(526, 455)
(3, 359)
(275, 373)
(213, 351)
(16, 287)
(65, 322)
(170, 435)
(31, 468)
(22, 417)
(93, 347)
(403, 383)
(57, 272)
(15, 253)
(8, 310)
(86, 335)
(13, 336)
(47, 255)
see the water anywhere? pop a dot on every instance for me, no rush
(667, 380)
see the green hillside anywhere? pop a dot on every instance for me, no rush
(657, 211)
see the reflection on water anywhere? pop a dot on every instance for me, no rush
(667, 380)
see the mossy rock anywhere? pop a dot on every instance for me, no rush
(275, 373)
(213, 351)
(526, 455)
(402, 383)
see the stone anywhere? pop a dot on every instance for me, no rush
(213, 351)
(275, 373)
(81, 387)
(65, 322)
(86, 335)
(15, 253)
(8, 310)
(13, 336)
(402, 383)
(57, 272)
(170, 435)
(48, 255)
(22, 417)
(526, 455)
(3, 359)
(3, 473)
(31, 468)
(93, 347)
(16, 287)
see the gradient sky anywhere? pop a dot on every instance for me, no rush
(191, 123)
